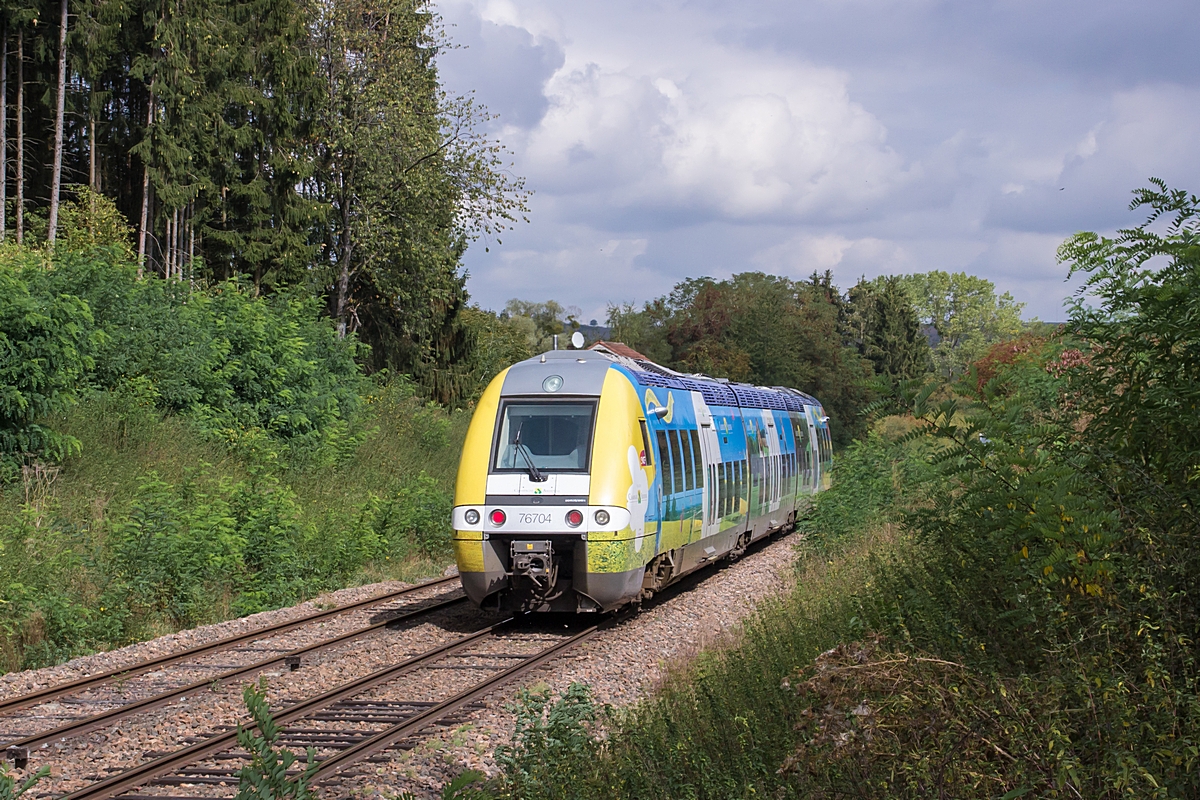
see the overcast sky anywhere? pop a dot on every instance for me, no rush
(667, 139)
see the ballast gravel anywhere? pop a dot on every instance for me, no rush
(621, 665)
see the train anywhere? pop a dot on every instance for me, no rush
(590, 479)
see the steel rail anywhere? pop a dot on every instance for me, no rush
(385, 739)
(107, 717)
(58, 690)
(136, 776)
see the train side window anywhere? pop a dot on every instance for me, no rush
(697, 453)
(664, 462)
(739, 482)
(646, 443)
(720, 470)
(677, 484)
(711, 478)
(731, 501)
(689, 471)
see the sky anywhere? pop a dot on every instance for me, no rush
(666, 139)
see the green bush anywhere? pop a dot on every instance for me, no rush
(552, 738)
(232, 362)
(266, 776)
(45, 352)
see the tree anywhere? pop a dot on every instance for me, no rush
(545, 321)
(288, 142)
(966, 314)
(883, 325)
(60, 110)
(407, 182)
(760, 329)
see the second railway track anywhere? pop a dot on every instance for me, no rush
(356, 721)
(48, 711)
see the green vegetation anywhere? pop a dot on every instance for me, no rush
(998, 597)
(301, 148)
(966, 313)
(772, 331)
(9, 790)
(266, 776)
(176, 456)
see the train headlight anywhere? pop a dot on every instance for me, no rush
(602, 517)
(471, 516)
(574, 518)
(553, 383)
(497, 517)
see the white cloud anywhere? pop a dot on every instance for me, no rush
(724, 135)
(677, 139)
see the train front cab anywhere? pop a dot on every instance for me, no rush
(569, 534)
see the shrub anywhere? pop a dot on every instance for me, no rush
(265, 777)
(551, 740)
(233, 362)
(45, 351)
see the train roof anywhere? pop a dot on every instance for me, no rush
(715, 391)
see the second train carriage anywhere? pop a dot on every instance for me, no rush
(592, 478)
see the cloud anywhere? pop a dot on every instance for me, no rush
(866, 136)
(723, 137)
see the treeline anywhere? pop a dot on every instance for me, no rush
(842, 347)
(288, 143)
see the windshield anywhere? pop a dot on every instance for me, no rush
(556, 437)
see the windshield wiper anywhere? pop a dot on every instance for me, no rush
(535, 474)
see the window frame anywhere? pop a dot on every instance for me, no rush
(505, 403)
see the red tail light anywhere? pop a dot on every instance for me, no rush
(497, 517)
(574, 518)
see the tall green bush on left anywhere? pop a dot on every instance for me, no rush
(46, 349)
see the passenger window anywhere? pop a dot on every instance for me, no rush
(677, 484)
(664, 462)
(697, 452)
(689, 472)
(646, 443)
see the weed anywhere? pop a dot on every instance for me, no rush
(265, 777)
(552, 736)
(9, 790)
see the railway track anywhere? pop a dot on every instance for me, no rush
(355, 722)
(18, 744)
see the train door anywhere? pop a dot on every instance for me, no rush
(804, 482)
(772, 452)
(710, 458)
(814, 447)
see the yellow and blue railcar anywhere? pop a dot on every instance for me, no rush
(592, 478)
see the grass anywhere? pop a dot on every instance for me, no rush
(109, 548)
(723, 724)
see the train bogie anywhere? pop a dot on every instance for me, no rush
(590, 479)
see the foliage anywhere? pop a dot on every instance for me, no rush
(885, 329)
(241, 366)
(265, 777)
(8, 784)
(46, 346)
(407, 182)
(548, 739)
(1144, 365)
(88, 219)
(547, 320)
(154, 525)
(966, 314)
(758, 328)
(283, 143)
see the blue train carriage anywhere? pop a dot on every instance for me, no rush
(590, 479)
